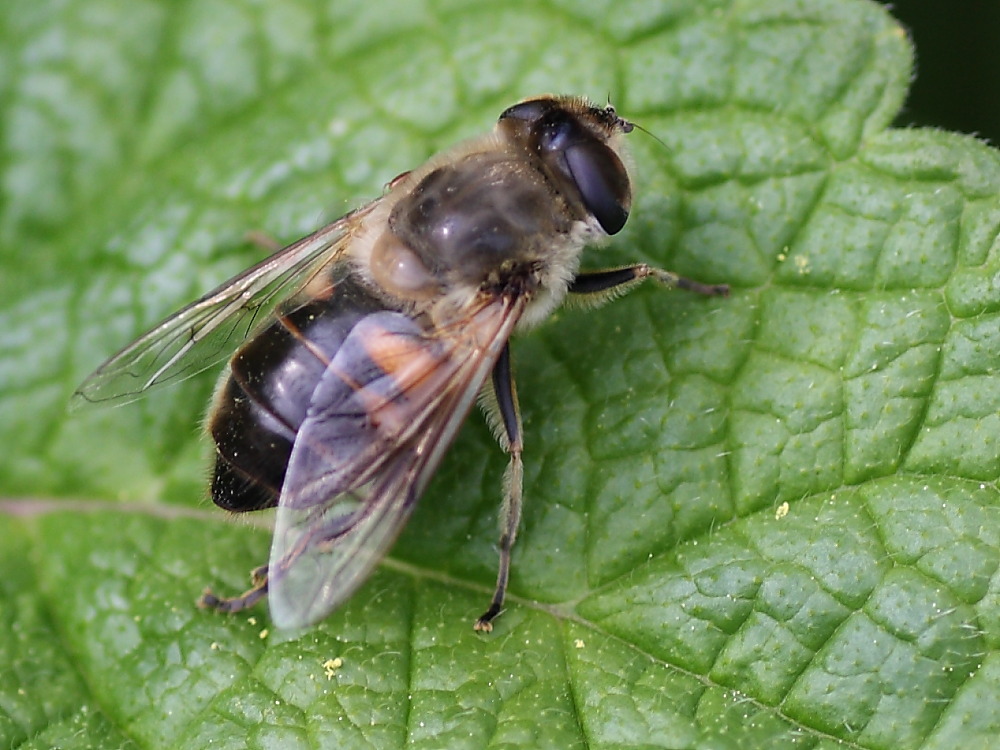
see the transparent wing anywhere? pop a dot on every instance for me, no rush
(383, 414)
(211, 328)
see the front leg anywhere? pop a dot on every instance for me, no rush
(600, 286)
(510, 514)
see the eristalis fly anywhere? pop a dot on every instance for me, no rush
(360, 349)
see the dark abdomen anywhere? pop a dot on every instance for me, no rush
(265, 397)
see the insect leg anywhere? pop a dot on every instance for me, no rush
(602, 285)
(510, 515)
(245, 600)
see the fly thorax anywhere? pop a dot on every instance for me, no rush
(480, 219)
(396, 268)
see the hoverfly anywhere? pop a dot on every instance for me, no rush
(360, 349)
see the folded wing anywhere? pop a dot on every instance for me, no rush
(388, 405)
(210, 329)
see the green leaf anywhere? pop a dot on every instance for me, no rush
(766, 521)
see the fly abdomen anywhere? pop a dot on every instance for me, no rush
(250, 459)
(267, 392)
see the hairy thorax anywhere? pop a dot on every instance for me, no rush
(480, 222)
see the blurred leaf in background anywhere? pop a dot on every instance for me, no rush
(768, 521)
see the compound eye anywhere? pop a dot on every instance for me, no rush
(558, 134)
(529, 111)
(603, 182)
